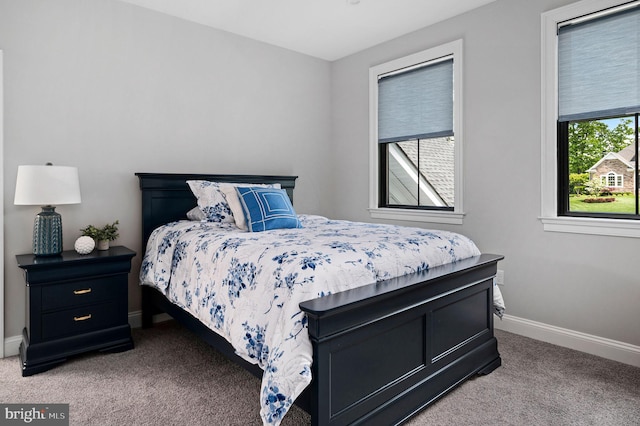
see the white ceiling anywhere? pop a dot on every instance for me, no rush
(327, 29)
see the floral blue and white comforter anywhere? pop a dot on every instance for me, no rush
(247, 286)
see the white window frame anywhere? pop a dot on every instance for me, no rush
(549, 112)
(456, 216)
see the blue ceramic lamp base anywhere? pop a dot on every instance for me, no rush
(47, 232)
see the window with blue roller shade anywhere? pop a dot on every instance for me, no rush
(416, 136)
(598, 71)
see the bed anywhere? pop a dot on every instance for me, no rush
(382, 351)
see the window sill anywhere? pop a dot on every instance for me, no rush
(575, 225)
(411, 215)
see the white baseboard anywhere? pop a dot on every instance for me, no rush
(135, 318)
(12, 345)
(600, 346)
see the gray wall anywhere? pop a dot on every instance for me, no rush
(115, 89)
(589, 284)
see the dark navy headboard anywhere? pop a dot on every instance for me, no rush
(166, 197)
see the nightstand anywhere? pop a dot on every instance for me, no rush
(75, 303)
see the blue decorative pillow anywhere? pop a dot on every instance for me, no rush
(267, 208)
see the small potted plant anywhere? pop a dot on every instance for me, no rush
(103, 235)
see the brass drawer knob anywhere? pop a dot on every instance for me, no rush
(85, 291)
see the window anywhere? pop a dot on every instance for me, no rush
(591, 106)
(612, 180)
(416, 138)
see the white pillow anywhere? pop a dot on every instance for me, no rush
(210, 200)
(196, 214)
(229, 192)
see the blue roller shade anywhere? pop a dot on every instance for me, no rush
(416, 104)
(599, 66)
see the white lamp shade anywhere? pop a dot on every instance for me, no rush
(47, 186)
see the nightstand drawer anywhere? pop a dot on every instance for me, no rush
(78, 293)
(79, 320)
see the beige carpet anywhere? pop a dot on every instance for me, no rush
(172, 378)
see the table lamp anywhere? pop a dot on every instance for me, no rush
(47, 186)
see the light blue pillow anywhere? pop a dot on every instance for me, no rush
(267, 208)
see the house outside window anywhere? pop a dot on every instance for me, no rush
(616, 171)
(591, 107)
(416, 137)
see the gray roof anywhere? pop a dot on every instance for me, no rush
(629, 153)
(436, 164)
